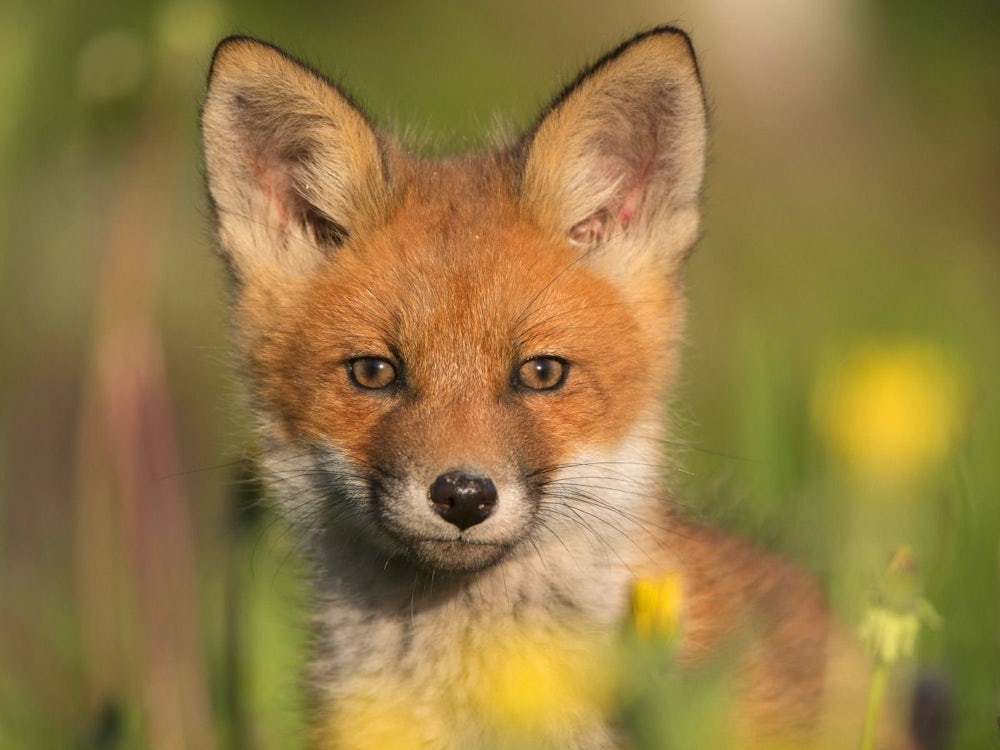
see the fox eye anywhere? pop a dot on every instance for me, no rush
(542, 373)
(372, 372)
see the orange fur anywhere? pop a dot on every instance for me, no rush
(454, 273)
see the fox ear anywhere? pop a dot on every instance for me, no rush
(293, 168)
(619, 155)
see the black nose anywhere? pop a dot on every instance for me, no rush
(463, 500)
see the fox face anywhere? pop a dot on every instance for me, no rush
(452, 374)
(457, 360)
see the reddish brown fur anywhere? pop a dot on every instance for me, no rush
(441, 276)
(567, 244)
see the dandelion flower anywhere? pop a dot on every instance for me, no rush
(378, 714)
(890, 412)
(656, 606)
(541, 684)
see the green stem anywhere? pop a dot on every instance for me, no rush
(875, 694)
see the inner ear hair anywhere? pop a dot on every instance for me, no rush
(325, 231)
(281, 158)
(592, 231)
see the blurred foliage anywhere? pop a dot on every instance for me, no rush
(851, 208)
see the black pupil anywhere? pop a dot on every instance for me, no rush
(373, 372)
(544, 371)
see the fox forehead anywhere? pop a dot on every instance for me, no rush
(457, 289)
(455, 281)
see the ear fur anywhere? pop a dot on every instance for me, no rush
(293, 167)
(618, 157)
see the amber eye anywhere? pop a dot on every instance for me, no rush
(372, 372)
(542, 373)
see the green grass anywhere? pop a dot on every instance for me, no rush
(865, 216)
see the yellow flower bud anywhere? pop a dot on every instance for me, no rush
(656, 607)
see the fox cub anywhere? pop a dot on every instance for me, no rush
(459, 368)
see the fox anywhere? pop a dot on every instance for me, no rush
(460, 370)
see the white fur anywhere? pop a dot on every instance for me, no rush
(381, 623)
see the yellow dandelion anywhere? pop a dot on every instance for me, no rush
(379, 714)
(540, 684)
(890, 412)
(656, 607)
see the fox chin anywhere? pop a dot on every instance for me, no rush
(460, 368)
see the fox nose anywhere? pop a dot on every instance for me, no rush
(463, 500)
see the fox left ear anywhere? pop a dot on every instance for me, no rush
(620, 153)
(293, 168)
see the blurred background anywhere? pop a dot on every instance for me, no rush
(839, 395)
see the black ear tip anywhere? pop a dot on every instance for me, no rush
(665, 30)
(679, 35)
(682, 35)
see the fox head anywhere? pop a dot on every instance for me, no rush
(454, 359)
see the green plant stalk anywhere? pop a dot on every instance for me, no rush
(876, 692)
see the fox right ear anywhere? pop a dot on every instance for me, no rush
(293, 168)
(617, 160)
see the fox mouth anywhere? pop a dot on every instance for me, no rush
(456, 552)
(420, 535)
(455, 556)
